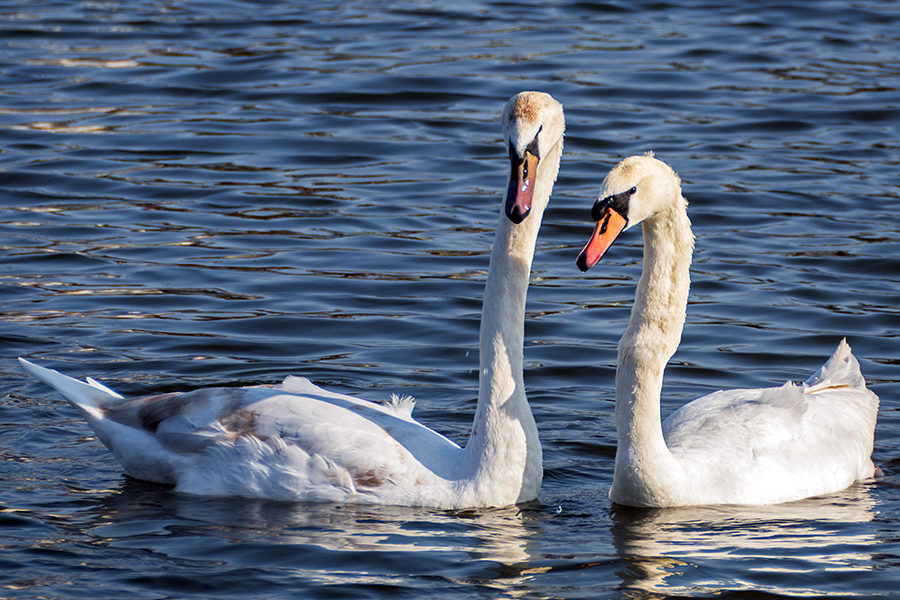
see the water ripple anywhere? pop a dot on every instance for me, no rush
(230, 192)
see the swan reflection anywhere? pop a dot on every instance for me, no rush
(696, 548)
(317, 541)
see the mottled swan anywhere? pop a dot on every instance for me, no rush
(296, 441)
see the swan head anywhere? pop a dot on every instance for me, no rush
(533, 125)
(635, 190)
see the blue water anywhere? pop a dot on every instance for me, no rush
(199, 193)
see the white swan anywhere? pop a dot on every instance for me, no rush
(760, 446)
(296, 441)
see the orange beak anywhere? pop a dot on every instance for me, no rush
(521, 187)
(605, 233)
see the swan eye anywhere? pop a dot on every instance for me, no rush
(632, 191)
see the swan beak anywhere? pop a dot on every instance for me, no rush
(521, 186)
(605, 233)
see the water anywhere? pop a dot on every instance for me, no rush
(200, 193)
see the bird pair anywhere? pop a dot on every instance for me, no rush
(296, 441)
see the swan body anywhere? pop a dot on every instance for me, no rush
(296, 441)
(749, 446)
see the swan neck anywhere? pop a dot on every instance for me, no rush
(652, 336)
(503, 313)
(504, 433)
(660, 302)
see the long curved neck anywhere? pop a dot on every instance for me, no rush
(504, 445)
(652, 337)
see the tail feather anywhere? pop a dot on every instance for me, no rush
(841, 371)
(85, 395)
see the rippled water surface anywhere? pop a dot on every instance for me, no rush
(199, 193)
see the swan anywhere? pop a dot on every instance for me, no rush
(298, 442)
(753, 446)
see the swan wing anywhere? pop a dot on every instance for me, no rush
(306, 446)
(749, 419)
(840, 372)
(784, 443)
(292, 441)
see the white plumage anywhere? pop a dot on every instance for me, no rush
(754, 446)
(296, 441)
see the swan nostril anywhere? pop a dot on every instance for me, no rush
(605, 222)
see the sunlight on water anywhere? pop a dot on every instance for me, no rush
(791, 548)
(227, 193)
